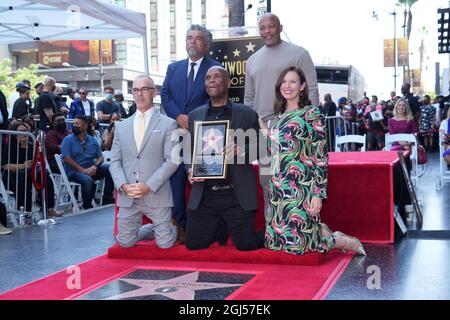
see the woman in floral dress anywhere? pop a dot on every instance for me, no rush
(297, 144)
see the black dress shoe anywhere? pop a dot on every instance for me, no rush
(106, 201)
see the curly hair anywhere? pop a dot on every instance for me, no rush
(280, 101)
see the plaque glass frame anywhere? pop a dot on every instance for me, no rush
(210, 140)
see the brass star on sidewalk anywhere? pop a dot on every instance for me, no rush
(179, 288)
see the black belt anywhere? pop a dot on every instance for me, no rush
(219, 187)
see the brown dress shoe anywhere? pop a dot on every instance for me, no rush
(54, 213)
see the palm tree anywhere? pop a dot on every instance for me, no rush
(236, 9)
(407, 26)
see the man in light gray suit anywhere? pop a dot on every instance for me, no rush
(141, 166)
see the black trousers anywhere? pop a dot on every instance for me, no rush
(3, 218)
(219, 212)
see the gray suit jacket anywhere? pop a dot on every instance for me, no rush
(151, 165)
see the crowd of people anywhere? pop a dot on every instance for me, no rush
(71, 129)
(399, 114)
(281, 99)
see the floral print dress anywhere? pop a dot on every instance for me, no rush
(297, 145)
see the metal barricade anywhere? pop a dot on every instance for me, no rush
(17, 189)
(338, 126)
(102, 126)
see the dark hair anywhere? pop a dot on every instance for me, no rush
(19, 123)
(39, 84)
(280, 101)
(108, 88)
(91, 120)
(207, 34)
(83, 118)
(57, 114)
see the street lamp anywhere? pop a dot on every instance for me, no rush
(394, 14)
(101, 73)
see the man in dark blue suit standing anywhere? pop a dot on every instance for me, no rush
(183, 90)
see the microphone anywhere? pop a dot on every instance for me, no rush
(243, 14)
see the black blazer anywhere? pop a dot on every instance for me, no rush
(241, 176)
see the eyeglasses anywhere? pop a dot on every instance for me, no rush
(143, 90)
(82, 93)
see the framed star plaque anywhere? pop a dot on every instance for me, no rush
(210, 140)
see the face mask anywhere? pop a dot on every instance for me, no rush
(76, 131)
(61, 126)
(109, 96)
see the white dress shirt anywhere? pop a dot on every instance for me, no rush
(197, 66)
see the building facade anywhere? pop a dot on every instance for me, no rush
(167, 22)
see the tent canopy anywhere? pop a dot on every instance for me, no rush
(46, 20)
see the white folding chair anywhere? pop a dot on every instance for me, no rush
(444, 171)
(107, 156)
(407, 137)
(67, 186)
(7, 197)
(351, 138)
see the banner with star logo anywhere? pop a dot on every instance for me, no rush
(233, 54)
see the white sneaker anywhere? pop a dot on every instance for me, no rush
(4, 230)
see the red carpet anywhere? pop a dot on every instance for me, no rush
(272, 282)
(360, 196)
(215, 253)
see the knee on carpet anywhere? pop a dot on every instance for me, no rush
(190, 245)
(126, 244)
(245, 246)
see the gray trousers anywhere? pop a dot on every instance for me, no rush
(130, 221)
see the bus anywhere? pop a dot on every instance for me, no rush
(340, 81)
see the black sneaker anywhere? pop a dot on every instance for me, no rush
(106, 201)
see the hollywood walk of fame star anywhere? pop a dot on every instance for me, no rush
(211, 139)
(236, 53)
(250, 47)
(179, 288)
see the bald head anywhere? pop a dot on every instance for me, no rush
(49, 84)
(222, 70)
(272, 17)
(217, 83)
(143, 92)
(270, 29)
